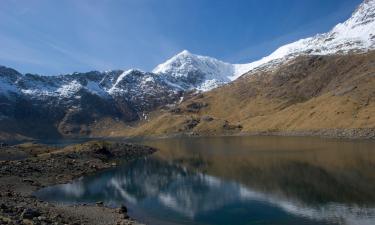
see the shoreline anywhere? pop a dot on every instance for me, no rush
(331, 133)
(19, 179)
(342, 134)
(48, 165)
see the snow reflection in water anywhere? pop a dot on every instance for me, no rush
(183, 190)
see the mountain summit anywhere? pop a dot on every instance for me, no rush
(357, 34)
(192, 71)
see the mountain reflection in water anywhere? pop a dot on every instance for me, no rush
(238, 180)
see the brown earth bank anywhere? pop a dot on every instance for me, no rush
(330, 96)
(42, 165)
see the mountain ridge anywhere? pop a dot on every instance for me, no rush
(187, 71)
(75, 102)
(329, 95)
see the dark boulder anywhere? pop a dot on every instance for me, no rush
(30, 213)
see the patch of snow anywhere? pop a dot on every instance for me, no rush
(114, 89)
(68, 90)
(148, 79)
(121, 77)
(181, 99)
(209, 84)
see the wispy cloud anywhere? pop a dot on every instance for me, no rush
(23, 44)
(83, 37)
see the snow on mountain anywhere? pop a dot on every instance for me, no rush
(72, 99)
(187, 71)
(357, 34)
(115, 89)
(203, 73)
(82, 98)
(63, 86)
(69, 89)
(191, 71)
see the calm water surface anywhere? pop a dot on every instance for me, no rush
(238, 180)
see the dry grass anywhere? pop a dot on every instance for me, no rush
(309, 93)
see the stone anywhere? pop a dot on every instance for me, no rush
(27, 222)
(3, 206)
(123, 209)
(42, 218)
(99, 203)
(28, 180)
(196, 106)
(30, 213)
(207, 118)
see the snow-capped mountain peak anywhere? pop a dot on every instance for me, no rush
(357, 34)
(184, 53)
(192, 71)
(184, 61)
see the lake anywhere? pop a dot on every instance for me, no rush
(238, 180)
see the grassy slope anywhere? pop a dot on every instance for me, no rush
(308, 94)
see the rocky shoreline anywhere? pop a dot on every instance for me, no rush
(19, 179)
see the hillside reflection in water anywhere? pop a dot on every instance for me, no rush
(238, 180)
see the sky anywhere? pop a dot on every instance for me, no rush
(58, 37)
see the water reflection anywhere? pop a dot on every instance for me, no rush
(238, 181)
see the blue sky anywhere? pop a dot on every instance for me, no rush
(54, 37)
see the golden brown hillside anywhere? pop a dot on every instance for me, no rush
(311, 95)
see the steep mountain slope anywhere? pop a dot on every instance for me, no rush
(311, 95)
(357, 34)
(318, 85)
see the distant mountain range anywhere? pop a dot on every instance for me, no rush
(73, 104)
